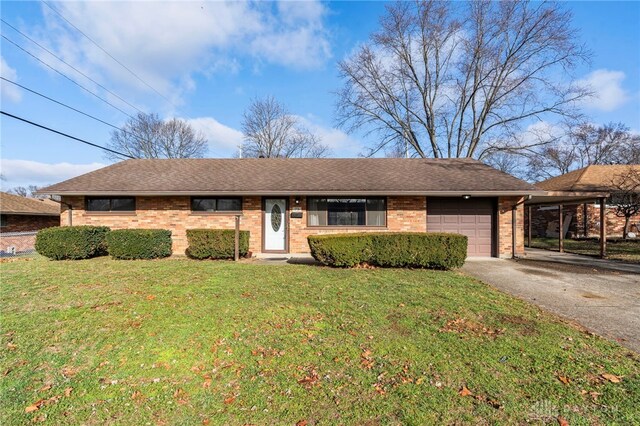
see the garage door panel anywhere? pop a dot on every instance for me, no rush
(473, 218)
(468, 219)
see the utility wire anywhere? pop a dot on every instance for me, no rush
(60, 103)
(35, 92)
(107, 53)
(67, 77)
(65, 134)
(69, 65)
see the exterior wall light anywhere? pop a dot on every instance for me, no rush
(466, 197)
(296, 200)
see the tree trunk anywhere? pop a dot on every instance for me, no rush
(625, 231)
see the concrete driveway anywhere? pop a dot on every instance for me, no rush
(604, 300)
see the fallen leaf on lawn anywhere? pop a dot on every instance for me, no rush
(206, 384)
(564, 379)
(67, 392)
(34, 407)
(612, 378)
(11, 346)
(136, 395)
(230, 399)
(181, 396)
(45, 388)
(151, 297)
(562, 421)
(301, 423)
(69, 372)
(206, 421)
(465, 391)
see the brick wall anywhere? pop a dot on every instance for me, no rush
(25, 223)
(20, 241)
(505, 225)
(174, 213)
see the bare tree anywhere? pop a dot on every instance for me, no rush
(271, 131)
(611, 143)
(460, 79)
(147, 136)
(582, 145)
(626, 196)
(26, 191)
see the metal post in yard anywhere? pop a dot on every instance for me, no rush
(603, 228)
(236, 253)
(560, 230)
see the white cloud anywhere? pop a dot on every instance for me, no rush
(25, 172)
(8, 90)
(165, 43)
(340, 143)
(607, 87)
(223, 140)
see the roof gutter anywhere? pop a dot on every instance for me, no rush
(302, 192)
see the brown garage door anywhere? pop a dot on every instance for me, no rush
(472, 217)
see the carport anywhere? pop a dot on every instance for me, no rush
(564, 198)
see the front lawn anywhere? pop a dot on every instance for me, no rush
(617, 249)
(187, 342)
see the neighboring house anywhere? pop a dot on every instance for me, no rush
(21, 218)
(282, 201)
(595, 178)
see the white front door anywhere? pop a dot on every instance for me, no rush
(275, 224)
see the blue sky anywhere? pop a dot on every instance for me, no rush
(212, 58)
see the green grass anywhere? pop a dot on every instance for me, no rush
(188, 342)
(617, 249)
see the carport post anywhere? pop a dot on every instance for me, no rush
(529, 228)
(603, 228)
(560, 230)
(236, 251)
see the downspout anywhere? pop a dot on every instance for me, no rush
(514, 211)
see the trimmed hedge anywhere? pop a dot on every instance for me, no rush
(72, 242)
(390, 249)
(215, 243)
(127, 244)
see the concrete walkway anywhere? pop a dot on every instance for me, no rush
(598, 294)
(580, 260)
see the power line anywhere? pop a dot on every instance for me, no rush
(69, 65)
(35, 92)
(65, 76)
(107, 53)
(60, 103)
(65, 134)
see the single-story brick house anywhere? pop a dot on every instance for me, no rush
(282, 201)
(577, 223)
(21, 218)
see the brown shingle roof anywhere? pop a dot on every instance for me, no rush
(16, 204)
(590, 178)
(292, 176)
